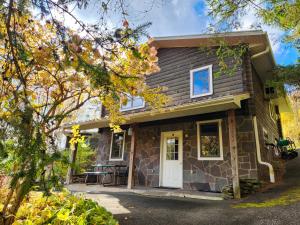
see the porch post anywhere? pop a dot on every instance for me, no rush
(73, 154)
(130, 182)
(234, 154)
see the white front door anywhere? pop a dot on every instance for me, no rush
(171, 159)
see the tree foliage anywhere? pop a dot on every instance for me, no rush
(291, 120)
(48, 71)
(285, 15)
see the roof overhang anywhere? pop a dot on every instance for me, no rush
(258, 41)
(283, 103)
(206, 106)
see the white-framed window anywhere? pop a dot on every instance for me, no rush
(209, 140)
(117, 146)
(201, 81)
(133, 102)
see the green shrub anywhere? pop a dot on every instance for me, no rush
(86, 156)
(61, 209)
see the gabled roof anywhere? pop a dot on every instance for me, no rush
(262, 57)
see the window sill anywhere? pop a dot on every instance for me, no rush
(116, 160)
(202, 95)
(139, 107)
(210, 158)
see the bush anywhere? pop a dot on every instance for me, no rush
(61, 209)
(86, 156)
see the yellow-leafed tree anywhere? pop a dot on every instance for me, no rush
(47, 72)
(291, 121)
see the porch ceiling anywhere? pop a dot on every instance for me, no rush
(201, 107)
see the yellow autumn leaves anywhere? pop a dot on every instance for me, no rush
(58, 72)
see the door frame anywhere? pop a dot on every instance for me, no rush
(162, 136)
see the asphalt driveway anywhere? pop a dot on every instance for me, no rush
(142, 210)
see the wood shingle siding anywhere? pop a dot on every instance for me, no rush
(175, 65)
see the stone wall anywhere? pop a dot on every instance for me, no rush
(197, 174)
(246, 147)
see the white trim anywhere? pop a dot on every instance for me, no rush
(132, 108)
(221, 157)
(123, 147)
(209, 67)
(162, 138)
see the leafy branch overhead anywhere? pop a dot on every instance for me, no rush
(49, 71)
(230, 58)
(282, 15)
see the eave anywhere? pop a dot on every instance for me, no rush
(257, 40)
(195, 108)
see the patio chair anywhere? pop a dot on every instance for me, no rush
(98, 174)
(122, 175)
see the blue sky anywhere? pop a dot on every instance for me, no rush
(182, 17)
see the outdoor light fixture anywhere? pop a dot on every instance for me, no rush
(129, 131)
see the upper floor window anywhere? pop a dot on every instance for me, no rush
(209, 140)
(117, 146)
(133, 102)
(201, 81)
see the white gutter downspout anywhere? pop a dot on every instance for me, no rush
(271, 170)
(261, 53)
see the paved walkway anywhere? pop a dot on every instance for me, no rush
(276, 206)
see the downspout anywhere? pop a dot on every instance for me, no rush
(271, 170)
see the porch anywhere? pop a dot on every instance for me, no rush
(145, 191)
(166, 154)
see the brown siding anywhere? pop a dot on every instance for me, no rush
(175, 65)
(265, 121)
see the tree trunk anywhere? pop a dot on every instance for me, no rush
(21, 192)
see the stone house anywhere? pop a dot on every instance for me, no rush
(214, 130)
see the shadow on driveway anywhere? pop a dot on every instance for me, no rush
(134, 209)
(173, 211)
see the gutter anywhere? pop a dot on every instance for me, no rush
(258, 152)
(267, 50)
(233, 100)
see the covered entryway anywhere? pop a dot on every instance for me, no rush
(171, 172)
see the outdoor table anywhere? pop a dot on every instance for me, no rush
(99, 170)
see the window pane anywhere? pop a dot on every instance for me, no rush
(209, 140)
(133, 102)
(128, 105)
(117, 146)
(201, 80)
(172, 149)
(137, 102)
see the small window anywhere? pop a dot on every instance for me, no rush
(201, 81)
(209, 135)
(117, 146)
(133, 102)
(172, 149)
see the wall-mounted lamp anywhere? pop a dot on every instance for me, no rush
(129, 131)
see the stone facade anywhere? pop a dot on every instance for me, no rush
(246, 147)
(204, 175)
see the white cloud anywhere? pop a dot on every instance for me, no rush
(173, 17)
(251, 21)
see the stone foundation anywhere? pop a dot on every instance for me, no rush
(209, 175)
